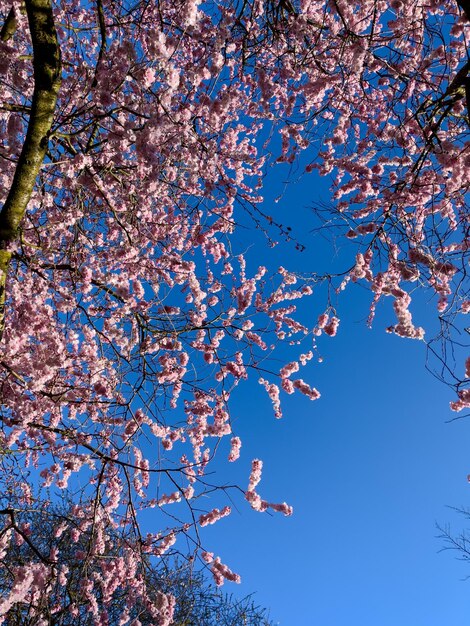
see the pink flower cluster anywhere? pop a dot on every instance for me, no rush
(255, 500)
(127, 323)
(214, 516)
(221, 572)
(235, 446)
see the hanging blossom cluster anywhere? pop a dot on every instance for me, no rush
(395, 126)
(257, 503)
(130, 315)
(129, 320)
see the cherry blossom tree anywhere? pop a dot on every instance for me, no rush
(134, 135)
(197, 603)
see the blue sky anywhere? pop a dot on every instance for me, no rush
(369, 468)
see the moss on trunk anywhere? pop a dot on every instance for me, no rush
(47, 75)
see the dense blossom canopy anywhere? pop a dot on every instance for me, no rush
(133, 136)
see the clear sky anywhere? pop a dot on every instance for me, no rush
(369, 468)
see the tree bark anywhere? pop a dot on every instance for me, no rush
(47, 76)
(9, 26)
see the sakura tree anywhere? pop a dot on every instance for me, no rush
(134, 135)
(196, 601)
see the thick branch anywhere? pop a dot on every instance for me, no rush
(465, 6)
(47, 68)
(103, 44)
(467, 97)
(9, 26)
(47, 73)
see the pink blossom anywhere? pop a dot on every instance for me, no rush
(236, 444)
(149, 77)
(131, 315)
(304, 388)
(289, 369)
(331, 327)
(221, 572)
(169, 499)
(255, 475)
(208, 557)
(214, 516)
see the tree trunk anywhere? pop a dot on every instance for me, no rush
(47, 75)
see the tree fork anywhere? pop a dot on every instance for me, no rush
(47, 77)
